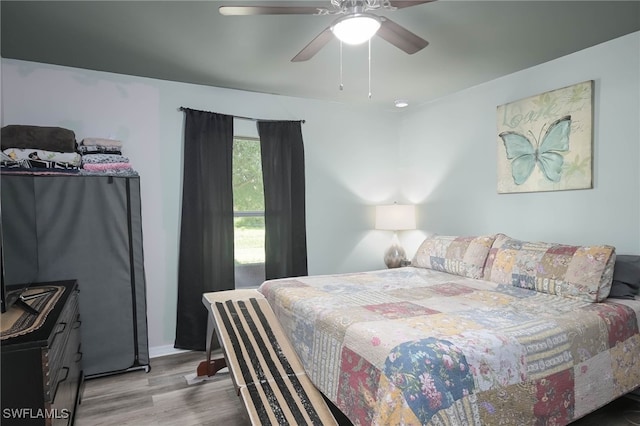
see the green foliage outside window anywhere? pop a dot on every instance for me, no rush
(248, 192)
(248, 196)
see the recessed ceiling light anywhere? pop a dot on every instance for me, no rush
(401, 103)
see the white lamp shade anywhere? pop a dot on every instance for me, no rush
(356, 29)
(396, 217)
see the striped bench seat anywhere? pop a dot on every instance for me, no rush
(266, 371)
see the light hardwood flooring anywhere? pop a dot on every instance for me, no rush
(163, 397)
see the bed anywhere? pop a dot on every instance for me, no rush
(479, 330)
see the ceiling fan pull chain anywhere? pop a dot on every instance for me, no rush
(341, 85)
(369, 68)
(386, 4)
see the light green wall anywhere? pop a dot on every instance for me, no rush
(349, 158)
(441, 155)
(448, 156)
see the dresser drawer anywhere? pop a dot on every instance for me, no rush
(65, 391)
(54, 357)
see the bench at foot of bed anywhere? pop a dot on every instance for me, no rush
(265, 369)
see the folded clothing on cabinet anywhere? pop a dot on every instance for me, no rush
(113, 143)
(106, 166)
(104, 158)
(46, 138)
(17, 154)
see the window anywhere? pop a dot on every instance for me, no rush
(248, 212)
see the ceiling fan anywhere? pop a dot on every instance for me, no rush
(355, 23)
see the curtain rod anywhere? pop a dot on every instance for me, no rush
(240, 117)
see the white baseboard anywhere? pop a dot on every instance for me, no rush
(157, 351)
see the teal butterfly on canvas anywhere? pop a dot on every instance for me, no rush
(546, 153)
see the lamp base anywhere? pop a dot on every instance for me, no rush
(395, 256)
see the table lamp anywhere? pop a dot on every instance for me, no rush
(395, 217)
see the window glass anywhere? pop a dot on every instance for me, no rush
(248, 206)
(248, 192)
(249, 240)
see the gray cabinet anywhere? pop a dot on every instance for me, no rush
(89, 229)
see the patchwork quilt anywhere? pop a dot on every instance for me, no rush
(420, 346)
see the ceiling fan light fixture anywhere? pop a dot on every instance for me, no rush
(356, 28)
(401, 103)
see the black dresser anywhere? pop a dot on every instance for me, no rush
(42, 370)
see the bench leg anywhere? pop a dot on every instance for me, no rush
(210, 366)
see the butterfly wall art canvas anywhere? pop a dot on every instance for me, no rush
(545, 141)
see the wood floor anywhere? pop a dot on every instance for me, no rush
(163, 397)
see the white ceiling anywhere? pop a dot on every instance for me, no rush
(470, 42)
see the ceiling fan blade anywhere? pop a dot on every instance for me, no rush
(314, 46)
(400, 37)
(267, 10)
(402, 4)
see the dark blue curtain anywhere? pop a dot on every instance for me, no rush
(284, 198)
(206, 233)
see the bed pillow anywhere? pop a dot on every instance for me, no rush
(579, 272)
(626, 277)
(463, 256)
